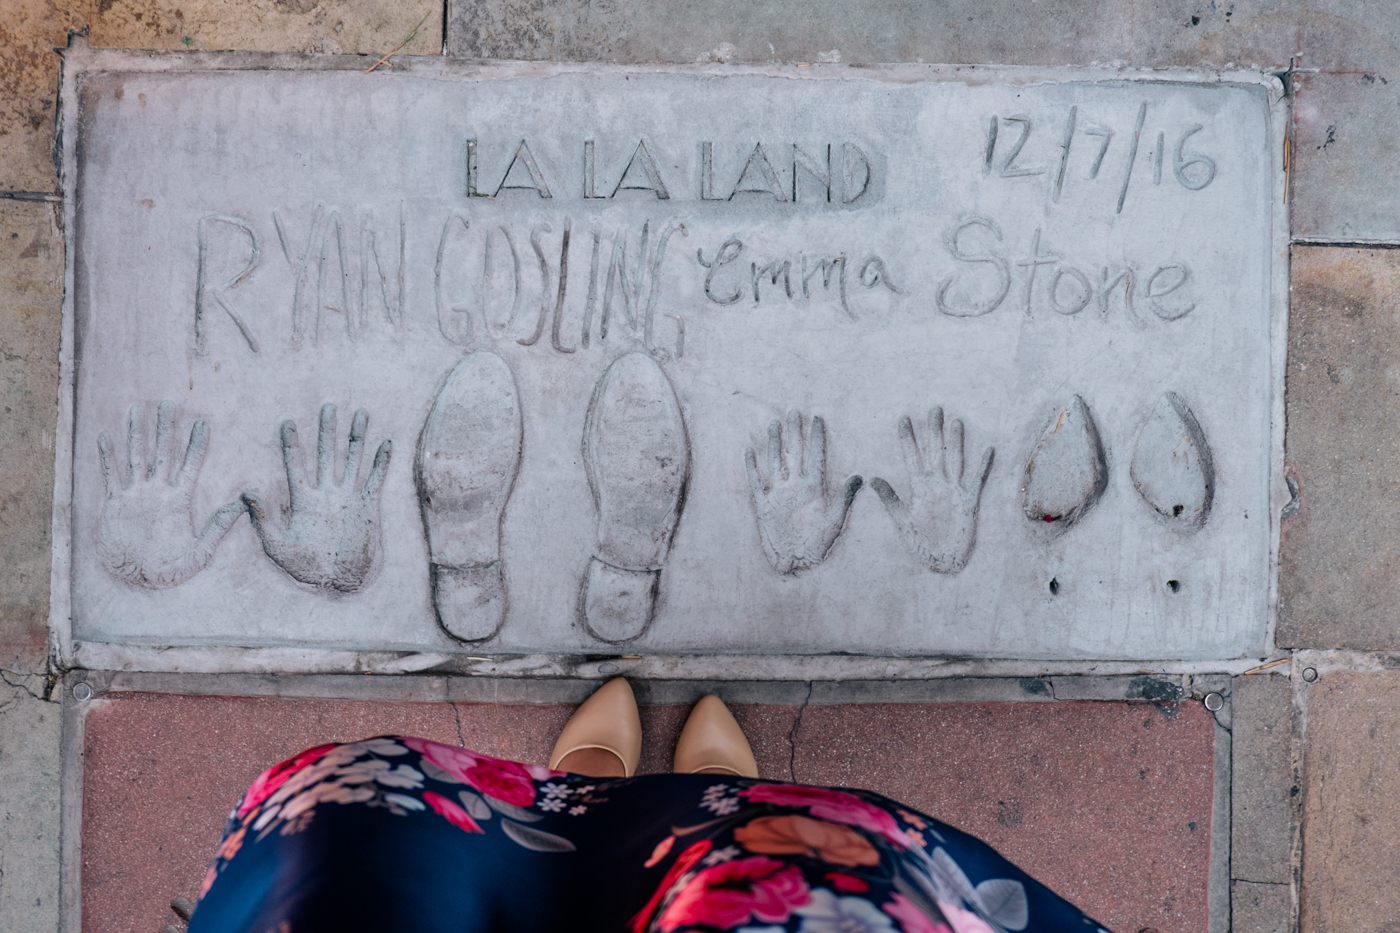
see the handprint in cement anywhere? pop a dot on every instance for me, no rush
(798, 517)
(938, 523)
(328, 534)
(146, 530)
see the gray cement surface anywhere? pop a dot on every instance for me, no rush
(632, 507)
(1260, 908)
(1263, 784)
(1339, 576)
(31, 296)
(1333, 34)
(29, 805)
(1350, 810)
(1346, 135)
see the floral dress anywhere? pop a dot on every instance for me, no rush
(403, 834)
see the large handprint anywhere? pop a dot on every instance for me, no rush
(328, 535)
(798, 521)
(939, 522)
(145, 532)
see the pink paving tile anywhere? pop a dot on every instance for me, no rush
(1107, 803)
(1097, 799)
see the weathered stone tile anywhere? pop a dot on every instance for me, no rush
(29, 807)
(1339, 573)
(1260, 908)
(1351, 812)
(31, 288)
(1261, 779)
(29, 32)
(349, 26)
(1346, 139)
(1264, 33)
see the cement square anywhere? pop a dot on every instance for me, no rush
(244, 256)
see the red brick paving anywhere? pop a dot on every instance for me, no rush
(1108, 803)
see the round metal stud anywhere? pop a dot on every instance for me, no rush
(1309, 674)
(1214, 702)
(82, 691)
(608, 667)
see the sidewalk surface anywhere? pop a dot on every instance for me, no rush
(1108, 803)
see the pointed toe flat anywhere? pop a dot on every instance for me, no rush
(712, 739)
(608, 720)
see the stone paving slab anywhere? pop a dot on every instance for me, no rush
(1263, 787)
(33, 29)
(1264, 33)
(1346, 135)
(1339, 564)
(1351, 811)
(1260, 908)
(31, 295)
(29, 31)
(29, 806)
(1108, 802)
(349, 26)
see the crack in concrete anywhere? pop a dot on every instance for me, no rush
(792, 734)
(49, 681)
(457, 715)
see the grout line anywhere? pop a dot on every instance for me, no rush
(425, 688)
(70, 808)
(43, 196)
(1298, 727)
(1218, 895)
(1351, 244)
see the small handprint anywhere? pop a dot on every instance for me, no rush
(798, 521)
(939, 522)
(328, 535)
(145, 532)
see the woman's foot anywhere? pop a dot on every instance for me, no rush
(713, 743)
(604, 736)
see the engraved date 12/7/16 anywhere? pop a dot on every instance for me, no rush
(1004, 155)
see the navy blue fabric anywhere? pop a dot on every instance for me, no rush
(402, 834)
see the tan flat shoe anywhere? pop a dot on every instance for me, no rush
(712, 740)
(608, 721)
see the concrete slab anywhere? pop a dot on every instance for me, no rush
(1260, 908)
(162, 771)
(31, 297)
(1339, 573)
(351, 26)
(29, 806)
(29, 91)
(1351, 816)
(1264, 33)
(1346, 128)
(1263, 789)
(585, 488)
